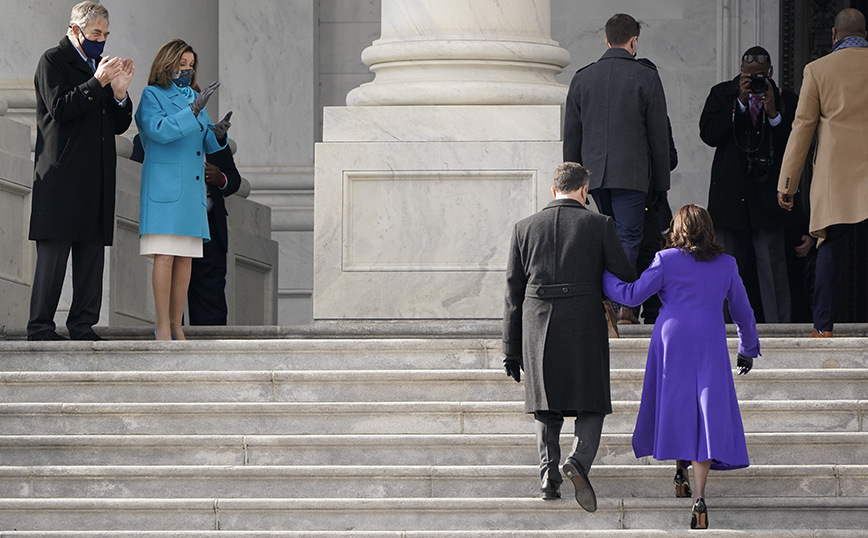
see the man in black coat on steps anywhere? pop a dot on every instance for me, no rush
(554, 325)
(81, 104)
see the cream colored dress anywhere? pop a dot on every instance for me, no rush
(171, 245)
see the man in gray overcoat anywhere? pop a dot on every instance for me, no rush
(615, 125)
(554, 325)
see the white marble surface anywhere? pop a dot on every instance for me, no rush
(17, 255)
(458, 52)
(441, 123)
(421, 229)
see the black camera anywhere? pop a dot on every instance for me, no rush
(758, 83)
(758, 168)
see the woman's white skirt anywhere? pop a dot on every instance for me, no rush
(171, 245)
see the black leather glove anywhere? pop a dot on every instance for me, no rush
(656, 198)
(513, 366)
(202, 99)
(221, 127)
(744, 364)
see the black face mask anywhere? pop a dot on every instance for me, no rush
(91, 49)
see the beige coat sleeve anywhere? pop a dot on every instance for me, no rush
(807, 117)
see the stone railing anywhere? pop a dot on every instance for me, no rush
(251, 290)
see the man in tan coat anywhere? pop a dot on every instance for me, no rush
(833, 102)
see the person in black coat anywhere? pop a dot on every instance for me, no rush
(749, 129)
(81, 104)
(554, 325)
(206, 294)
(615, 125)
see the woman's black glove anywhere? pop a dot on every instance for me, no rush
(513, 366)
(202, 99)
(744, 364)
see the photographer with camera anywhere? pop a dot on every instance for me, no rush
(748, 121)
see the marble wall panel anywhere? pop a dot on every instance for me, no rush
(340, 46)
(434, 221)
(17, 253)
(443, 123)
(349, 12)
(391, 218)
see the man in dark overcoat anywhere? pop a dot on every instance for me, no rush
(615, 125)
(206, 296)
(554, 325)
(81, 104)
(748, 130)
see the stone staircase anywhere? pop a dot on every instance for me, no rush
(396, 432)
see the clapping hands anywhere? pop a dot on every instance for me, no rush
(117, 72)
(121, 82)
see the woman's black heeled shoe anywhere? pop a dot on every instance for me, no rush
(682, 485)
(699, 520)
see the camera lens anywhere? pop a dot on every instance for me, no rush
(758, 83)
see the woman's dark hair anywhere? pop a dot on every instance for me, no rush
(167, 60)
(693, 233)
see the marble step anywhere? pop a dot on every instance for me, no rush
(512, 514)
(440, 328)
(411, 481)
(377, 385)
(841, 448)
(614, 533)
(377, 417)
(371, 353)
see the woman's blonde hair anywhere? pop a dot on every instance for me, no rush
(166, 62)
(693, 233)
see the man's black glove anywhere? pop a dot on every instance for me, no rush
(656, 198)
(202, 99)
(744, 364)
(513, 366)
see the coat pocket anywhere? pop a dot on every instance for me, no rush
(164, 182)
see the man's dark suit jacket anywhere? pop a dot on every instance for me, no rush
(736, 200)
(217, 216)
(615, 124)
(75, 160)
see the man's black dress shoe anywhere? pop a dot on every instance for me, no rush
(44, 336)
(89, 336)
(550, 491)
(585, 495)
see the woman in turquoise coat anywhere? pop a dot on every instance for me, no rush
(176, 134)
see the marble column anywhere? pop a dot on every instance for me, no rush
(268, 68)
(421, 177)
(460, 52)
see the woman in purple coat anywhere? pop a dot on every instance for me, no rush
(689, 411)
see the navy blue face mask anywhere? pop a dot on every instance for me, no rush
(182, 78)
(91, 49)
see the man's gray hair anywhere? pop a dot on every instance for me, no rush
(86, 12)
